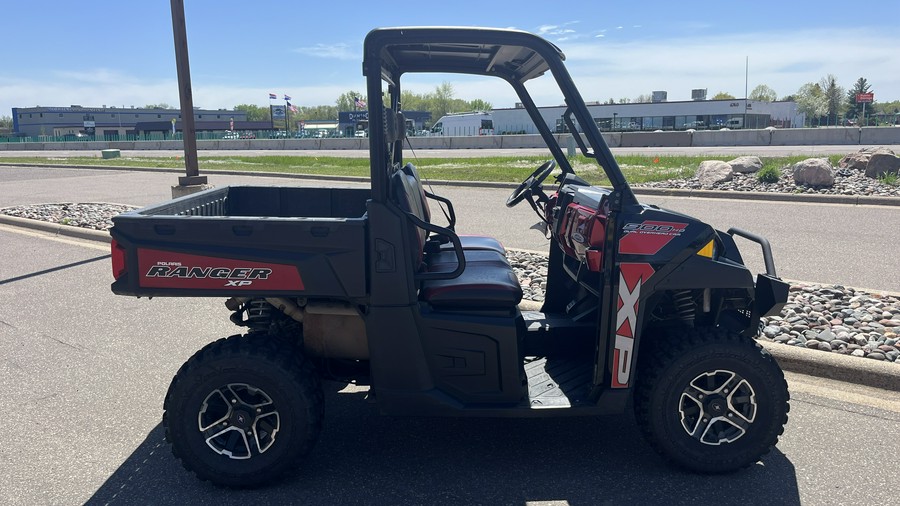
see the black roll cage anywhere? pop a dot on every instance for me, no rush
(512, 55)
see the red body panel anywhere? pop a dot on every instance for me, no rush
(166, 269)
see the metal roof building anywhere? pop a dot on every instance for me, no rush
(108, 122)
(651, 116)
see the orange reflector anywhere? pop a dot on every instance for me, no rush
(707, 251)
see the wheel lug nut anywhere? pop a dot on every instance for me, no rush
(234, 401)
(726, 390)
(700, 396)
(259, 410)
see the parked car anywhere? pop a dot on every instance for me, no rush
(230, 134)
(248, 135)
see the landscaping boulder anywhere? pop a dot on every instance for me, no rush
(816, 172)
(882, 163)
(860, 159)
(711, 172)
(746, 164)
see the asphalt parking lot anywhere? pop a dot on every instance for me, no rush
(85, 373)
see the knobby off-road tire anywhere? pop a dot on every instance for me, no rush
(709, 400)
(243, 411)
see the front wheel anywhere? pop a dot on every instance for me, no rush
(243, 411)
(709, 400)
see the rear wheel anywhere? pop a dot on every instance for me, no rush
(243, 411)
(710, 401)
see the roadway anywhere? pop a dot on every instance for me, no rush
(761, 151)
(84, 373)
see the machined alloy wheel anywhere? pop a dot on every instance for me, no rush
(709, 400)
(238, 421)
(244, 410)
(717, 407)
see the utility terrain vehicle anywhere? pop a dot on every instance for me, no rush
(644, 307)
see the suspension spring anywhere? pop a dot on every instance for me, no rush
(684, 306)
(259, 314)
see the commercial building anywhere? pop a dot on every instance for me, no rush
(651, 116)
(104, 122)
(350, 122)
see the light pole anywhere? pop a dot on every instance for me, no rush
(615, 124)
(189, 132)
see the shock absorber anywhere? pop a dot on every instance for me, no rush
(259, 314)
(684, 306)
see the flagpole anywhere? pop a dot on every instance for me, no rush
(271, 111)
(287, 115)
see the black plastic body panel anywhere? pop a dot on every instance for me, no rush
(318, 232)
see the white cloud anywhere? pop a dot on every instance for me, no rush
(605, 69)
(545, 29)
(602, 68)
(339, 51)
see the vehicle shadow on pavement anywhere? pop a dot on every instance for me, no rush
(365, 458)
(53, 269)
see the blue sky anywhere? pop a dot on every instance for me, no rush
(120, 52)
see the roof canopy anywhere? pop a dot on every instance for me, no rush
(511, 54)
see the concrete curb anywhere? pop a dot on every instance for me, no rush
(770, 196)
(658, 192)
(823, 364)
(57, 229)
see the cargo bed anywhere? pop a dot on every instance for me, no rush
(245, 241)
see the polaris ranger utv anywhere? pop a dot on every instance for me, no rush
(645, 308)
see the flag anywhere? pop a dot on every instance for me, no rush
(358, 102)
(287, 97)
(292, 107)
(272, 96)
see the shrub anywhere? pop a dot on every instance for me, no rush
(768, 174)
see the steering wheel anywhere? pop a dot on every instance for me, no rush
(532, 183)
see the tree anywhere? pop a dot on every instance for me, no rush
(347, 101)
(161, 105)
(5, 123)
(763, 93)
(889, 111)
(834, 98)
(854, 109)
(723, 96)
(811, 102)
(443, 96)
(317, 112)
(480, 105)
(255, 112)
(643, 99)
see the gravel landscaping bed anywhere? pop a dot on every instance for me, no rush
(846, 182)
(829, 318)
(92, 215)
